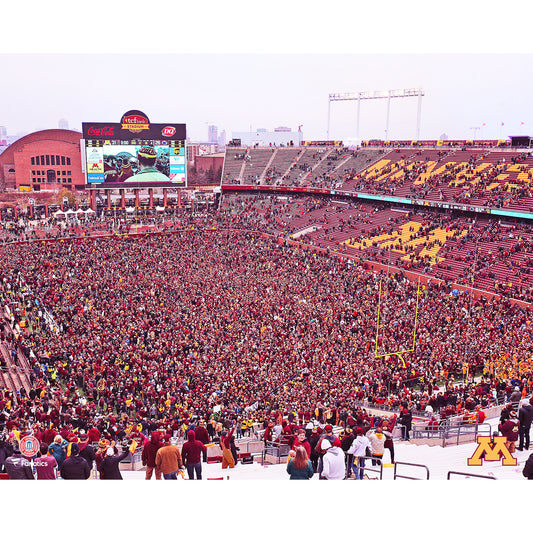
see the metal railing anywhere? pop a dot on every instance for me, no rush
(389, 409)
(467, 475)
(450, 429)
(369, 467)
(275, 449)
(466, 429)
(396, 475)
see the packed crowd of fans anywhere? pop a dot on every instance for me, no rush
(206, 323)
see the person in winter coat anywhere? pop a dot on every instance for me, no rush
(333, 440)
(389, 443)
(6, 450)
(333, 461)
(149, 453)
(201, 433)
(109, 467)
(87, 450)
(515, 397)
(377, 440)
(191, 454)
(299, 465)
(406, 420)
(359, 451)
(528, 468)
(505, 413)
(525, 417)
(509, 429)
(75, 467)
(58, 449)
(313, 441)
(17, 466)
(346, 443)
(168, 459)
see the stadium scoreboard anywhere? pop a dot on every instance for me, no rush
(112, 158)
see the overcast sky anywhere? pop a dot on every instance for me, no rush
(241, 68)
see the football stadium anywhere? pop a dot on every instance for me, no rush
(324, 312)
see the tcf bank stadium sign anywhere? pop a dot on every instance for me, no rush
(134, 124)
(135, 121)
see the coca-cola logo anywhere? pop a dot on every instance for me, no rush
(106, 131)
(168, 131)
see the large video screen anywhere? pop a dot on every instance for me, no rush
(135, 153)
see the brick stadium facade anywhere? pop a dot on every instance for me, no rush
(43, 160)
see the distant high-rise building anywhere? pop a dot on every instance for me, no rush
(63, 124)
(212, 134)
(222, 138)
(3, 132)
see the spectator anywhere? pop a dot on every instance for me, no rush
(377, 441)
(405, 419)
(389, 442)
(225, 445)
(361, 447)
(528, 468)
(191, 454)
(509, 429)
(6, 450)
(75, 466)
(109, 467)
(17, 466)
(299, 466)
(149, 454)
(87, 450)
(59, 449)
(168, 458)
(45, 465)
(334, 466)
(525, 417)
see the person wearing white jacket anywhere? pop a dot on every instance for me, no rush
(358, 450)
(333, 461)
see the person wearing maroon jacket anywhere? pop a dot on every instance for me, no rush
(191, 454)
(225, 445)
(201, 433)
(203, 436)
(300, 440)
(94, 434)
(509, 429)
(269, 436)
(49, 435)
(148, 455)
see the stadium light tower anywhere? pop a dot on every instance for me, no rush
(475, 128)
(373, 95)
